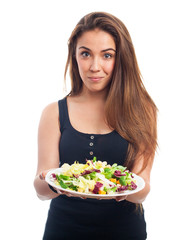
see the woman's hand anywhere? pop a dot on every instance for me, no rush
(42, 176)
(121, 198)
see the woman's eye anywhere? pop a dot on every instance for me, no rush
(108, 55)
(85, 54)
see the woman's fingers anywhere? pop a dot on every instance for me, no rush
(42, 175)
(63, 192)
(83, 197)
(69, 194)
(60, 191)
(121, 198)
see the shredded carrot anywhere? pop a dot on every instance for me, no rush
(113, 180)
(102, 192)
(117, 182)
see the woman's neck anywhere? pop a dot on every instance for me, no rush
(87, 95)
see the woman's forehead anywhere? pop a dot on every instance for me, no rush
(96, 39)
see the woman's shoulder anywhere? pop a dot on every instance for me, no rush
(49, 128)
(51, 109)
(50, 112)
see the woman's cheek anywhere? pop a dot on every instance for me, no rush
(83, 67)
(109, 67)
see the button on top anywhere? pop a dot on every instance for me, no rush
(91, 144)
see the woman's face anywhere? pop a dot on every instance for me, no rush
(95, 56)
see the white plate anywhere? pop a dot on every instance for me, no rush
(139, 182)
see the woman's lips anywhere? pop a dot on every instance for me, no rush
(95, 79)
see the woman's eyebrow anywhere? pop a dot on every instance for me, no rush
(84, 48)
(108, 49)
(105, 50)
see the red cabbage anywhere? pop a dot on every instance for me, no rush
(97, 187)
(53, 175)
(133, 185)
(89, 171)
(122, 188)
(118, 173)
(76, 175)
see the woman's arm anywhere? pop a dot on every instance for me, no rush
(145, 174)
(48, 149)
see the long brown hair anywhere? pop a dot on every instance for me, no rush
(129, 108)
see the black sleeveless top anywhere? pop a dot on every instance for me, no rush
(72, 217)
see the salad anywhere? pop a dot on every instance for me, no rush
(94, 177)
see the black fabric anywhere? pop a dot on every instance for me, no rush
(71, 217)
(75, 145)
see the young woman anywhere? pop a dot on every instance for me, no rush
(108, 114)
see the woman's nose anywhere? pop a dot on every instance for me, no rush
(95, 65)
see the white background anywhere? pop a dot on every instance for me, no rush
(33, 50)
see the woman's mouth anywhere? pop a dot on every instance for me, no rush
(95, 79)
